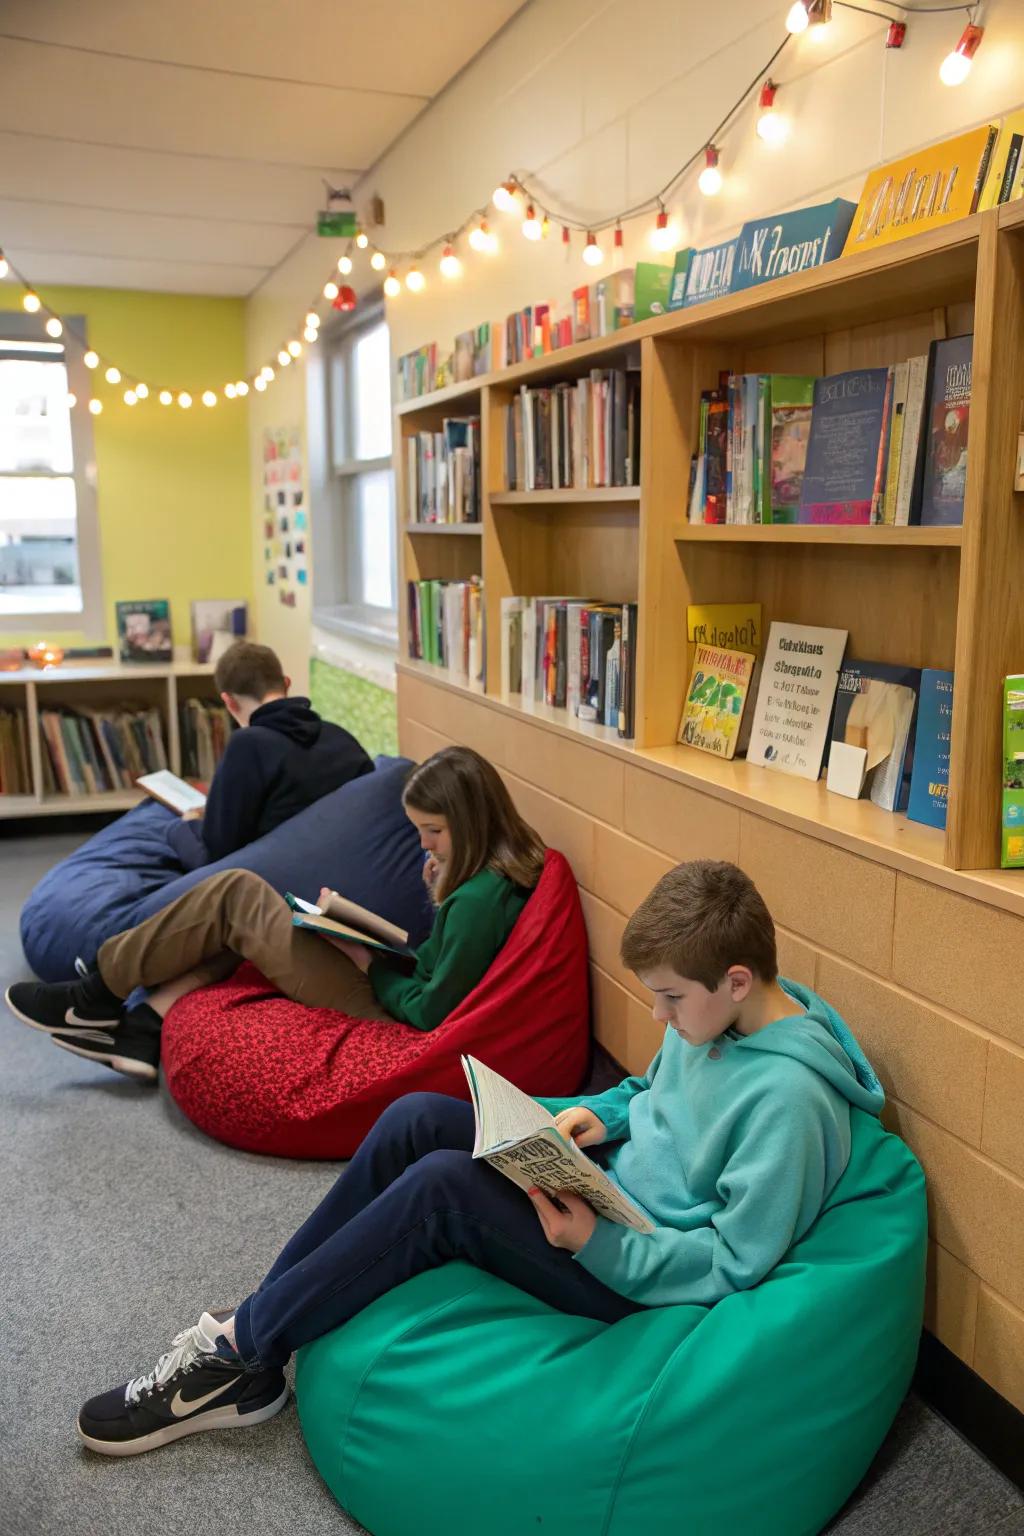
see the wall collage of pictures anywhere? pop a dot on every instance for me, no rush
(285, 515)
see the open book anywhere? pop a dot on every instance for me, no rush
(171, 791)
(517, 1136)
(345, 919)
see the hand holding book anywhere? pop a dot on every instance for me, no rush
(567, 1219)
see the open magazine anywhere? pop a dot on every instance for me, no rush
(517, 1136)
(345, 919)
(171, 791)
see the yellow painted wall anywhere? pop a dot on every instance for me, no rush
(172, 486)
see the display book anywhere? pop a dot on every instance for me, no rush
(572, 653)
(217, 622)
(519, 1138)
(725, 642)
(579, 434)
(442, 473)
(1011, 855)
(446, 626)
(144, 630)
(344, 919)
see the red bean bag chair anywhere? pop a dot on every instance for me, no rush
(259, 1072)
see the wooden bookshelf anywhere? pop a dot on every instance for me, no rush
(943, 597)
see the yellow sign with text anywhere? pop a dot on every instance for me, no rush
(921, 191)
(735, 626)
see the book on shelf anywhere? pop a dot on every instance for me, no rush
(942, 470)
(177, 794)
(344, 919)
(216, 624)
(752, 436)
(442, 473)
(876, 711)
(677, 286)
(652, 285)
(15, 763)
(98, 751)
(929, 779)
(446, 626)
(710, 272)
(472, 354)
(1005, 180)
(417, 372)
(929, 188)
(581, 312)
(574, 654)
(144, 630)
(715, 699)
(519, 1138)
(791, 242)
(577, 435)
(1012, 814)
(204, 729)
(844, 475)
(799, 674)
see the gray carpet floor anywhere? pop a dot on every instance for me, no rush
(119, 1223)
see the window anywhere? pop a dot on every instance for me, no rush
(49, 544)
(354, 537)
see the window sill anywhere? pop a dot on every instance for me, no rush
(355, 623)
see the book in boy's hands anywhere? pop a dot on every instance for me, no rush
(175, 793)
(344, 919)
(519, 1137)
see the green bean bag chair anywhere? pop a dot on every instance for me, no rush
(458, 1404)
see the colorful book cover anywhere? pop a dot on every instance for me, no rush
(216, 624)
(790, 403)
(1012, 825)
(144, 630)
(677, 287)
(876, 708)
(651, 290)
(731, 626)
(947, 420)
(922, 191)
(715, 457)
(710, 273)
(624, 296)
(929, 781)
(794, 701)
(581, 312)
(715, 698)
(1004, 183)
(841, 468)
(791, 242)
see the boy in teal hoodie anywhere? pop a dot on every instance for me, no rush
(740, 1128)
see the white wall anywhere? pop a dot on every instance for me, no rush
(598, 104)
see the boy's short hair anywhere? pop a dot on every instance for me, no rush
(249, 670)
(701, 918)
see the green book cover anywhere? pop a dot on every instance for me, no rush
(789, 425)
(651, 289)
(1012, 820)
(677, 287)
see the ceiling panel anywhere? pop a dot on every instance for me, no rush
(92, 232)
(121, 272)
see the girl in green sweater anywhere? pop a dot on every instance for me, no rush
(482, 863)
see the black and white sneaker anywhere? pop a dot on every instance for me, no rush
(53, 1006)
(132, 1047)
(200, 1383)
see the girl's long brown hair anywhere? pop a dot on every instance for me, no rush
(487, 831)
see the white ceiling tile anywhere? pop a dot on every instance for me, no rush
(158, 276)
(42, 226)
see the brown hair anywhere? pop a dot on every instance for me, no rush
(249, 670)
(700, 919)
(486, 829)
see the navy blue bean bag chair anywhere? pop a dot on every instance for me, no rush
(357, 840)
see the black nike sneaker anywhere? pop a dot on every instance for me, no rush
(131, 1048)
(53, 1006)
(200, 1383)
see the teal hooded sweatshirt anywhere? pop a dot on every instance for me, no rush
(732, 1147)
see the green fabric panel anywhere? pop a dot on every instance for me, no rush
(369, 712)
(760, 1414)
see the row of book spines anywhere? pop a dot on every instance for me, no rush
(573, 655)
(446, 625)
(443, 473)
(15, 761)
(204, 728)
(99, 752)
(583, 435)
(417, 371)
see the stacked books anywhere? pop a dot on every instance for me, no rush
(204, 727)
(574, 654)
(581, 434)
(15, 765)
(443, 473)
(446, 626)
(472, 355)
(417, 372)
(96, 751)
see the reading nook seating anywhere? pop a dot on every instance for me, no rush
(357, 840)
(760, 1414)
(262, 1073)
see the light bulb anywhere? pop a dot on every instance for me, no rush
(378, 261)
(91, 360)
(311, 333)
(230, 391)
(209, 397)
(267, 372)
(710, 179)
(165, 397)
(130, 397)
(259, 384)
(184, 399)
(113, 375)
(362, 240)
(592, 252)
(482, 240)
(72, 400)
(4, 267)
(663, 235)
(545, 227)
(344, 265)
(142, 390)
(313, 319)
(956, 66)
(284, 358)
(450, 264)
(241, 388)
(772, 127)
(392, 287)
(330, 290)
(96, 407)
(415, 281)
(54, 327)
(505, 197)
(531, 224)
(796, 18)
(31, 302)
(295, 348)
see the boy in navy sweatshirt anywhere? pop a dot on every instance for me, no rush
(284, 759)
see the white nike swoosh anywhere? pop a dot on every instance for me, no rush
(179, 1407)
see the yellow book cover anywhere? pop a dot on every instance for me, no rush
(737, 626)
(922, 191)
(1005, 180)
(713, 707)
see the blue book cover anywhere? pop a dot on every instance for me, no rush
(710, 273)
(929, 783)
(876, 708)
(791, 242)
(946, 424)
(842, 474)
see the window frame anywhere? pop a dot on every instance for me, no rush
(88, 620)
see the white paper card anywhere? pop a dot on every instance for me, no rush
(799, 675)
(847, 768)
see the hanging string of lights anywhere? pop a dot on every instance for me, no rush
(515, 195)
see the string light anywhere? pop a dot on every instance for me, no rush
(481, 239)
(313, 319)
(259, 384)
(31, 302)
(185, 400)
(209, 397)
(113, 375)
(295, 348)
(330, 290)
(545, 227)
(267, 372)
(96, 407)
(241, 388)
(54, 327)
(956, 66)
(805, 13)
(506, 197)
(415, 281)
(772, 127)
(378, 261)
(284, 357)
(311, 333)
(566, 237)
(663, 236)
(165, 397)
(362, 240)
(392, 287)
(91, 360)
(230, 391)
(710, 179)
(130, 397)
(344, 265)
(592, 252)
(4, 267)
(797, 18)
(142, 390)
(450, 265)
(531, 224)
(72, 399)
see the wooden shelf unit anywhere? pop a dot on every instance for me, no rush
(942, 597)
(100, 686)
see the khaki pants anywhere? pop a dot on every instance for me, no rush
(232, 916)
